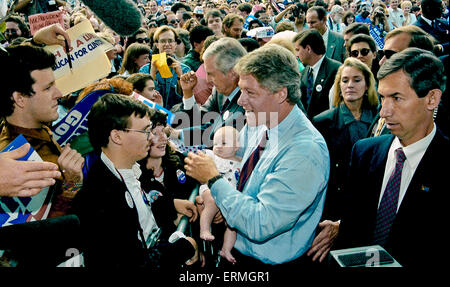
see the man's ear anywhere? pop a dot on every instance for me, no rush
(433, 98)
(19, 99)
(116, 137)
(282, 95)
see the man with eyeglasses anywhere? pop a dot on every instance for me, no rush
(166, 39)
(15, 28)
(115, 215)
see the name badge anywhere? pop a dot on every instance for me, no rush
(226, 115)
(129, 199)
(181, 176)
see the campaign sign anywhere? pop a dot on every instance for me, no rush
(377, 36)
(75, 122)
(16, 210)
(39, 21)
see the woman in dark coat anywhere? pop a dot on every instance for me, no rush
(355, 101)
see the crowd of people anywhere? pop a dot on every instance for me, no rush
(311, 126)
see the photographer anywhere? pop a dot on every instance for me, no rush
(380, 20)
(363, 13)
(166, 39)
(294, 13)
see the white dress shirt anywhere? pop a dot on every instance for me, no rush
(316, 68)
(130, 176)
(414, 153)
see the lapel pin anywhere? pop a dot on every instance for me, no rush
(425, 188)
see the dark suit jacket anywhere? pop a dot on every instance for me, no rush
(211, 119)
(335, 47)
(415, 237)
(332, 125)
(440, 32)
(109, 226)
(325, 78)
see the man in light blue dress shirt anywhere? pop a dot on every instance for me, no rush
(281, 203)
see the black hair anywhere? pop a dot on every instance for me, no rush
(112, 112)
(249, 44)
(199, 33)
(425, 70)
(313, 38)
(21, 61)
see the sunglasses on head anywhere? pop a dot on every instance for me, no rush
(142, 40)
(386, 53)
(364, 52)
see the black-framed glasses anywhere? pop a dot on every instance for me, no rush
(11, 31)
(143, 40)
(364, 52)
(386, 53)
(148, 132)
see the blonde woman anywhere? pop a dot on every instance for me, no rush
(409, 17)
(355, 101)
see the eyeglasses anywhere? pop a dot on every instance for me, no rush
(386, 53)
(142, 40)
(11, 31)
(364, 52)
(166, 41)
(148, 132)
(174, 21)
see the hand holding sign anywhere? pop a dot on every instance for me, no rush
(24, 178)
(52, 35)
(160, 61)
(71, 163)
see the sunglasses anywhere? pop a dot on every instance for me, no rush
(142, 40)
(364, 52)
(386, 53)
(174, 21)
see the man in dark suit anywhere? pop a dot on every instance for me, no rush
(221, 108)
(403, 205)
(118, 228)
(318, 78)
(430, 21)
(316, 18)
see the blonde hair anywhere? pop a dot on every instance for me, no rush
(371, 100)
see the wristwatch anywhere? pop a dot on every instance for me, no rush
(211, 181)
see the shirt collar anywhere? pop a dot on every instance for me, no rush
(135, 170)
(414, 152)
(325, 37)
(233, 94)
(316, 67)
(429, 22)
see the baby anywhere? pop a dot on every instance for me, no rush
(225, 146)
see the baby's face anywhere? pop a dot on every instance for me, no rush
(225, 146)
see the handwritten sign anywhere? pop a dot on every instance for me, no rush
(88, 57)
(38, 21)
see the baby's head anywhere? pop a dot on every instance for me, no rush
(226, 142)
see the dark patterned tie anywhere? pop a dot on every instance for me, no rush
(310, 85)
(251, 163)
(225, 105)
(388, 206)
